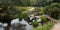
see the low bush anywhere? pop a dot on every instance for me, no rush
(35, 23)
(47, 26)
(43, 19)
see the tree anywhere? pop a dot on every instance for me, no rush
(53, 10)
(8, 12)
(44, 2)
(56, 1)
(27, 2)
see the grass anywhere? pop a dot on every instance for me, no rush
(44, 27)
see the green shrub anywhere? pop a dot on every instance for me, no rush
(23, 15)
(43, 19)
(47, 26)
(20, 17)
(35, 23)
(53, 10)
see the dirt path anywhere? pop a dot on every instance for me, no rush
(56, 27)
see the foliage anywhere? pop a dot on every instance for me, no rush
(11, 13)
(35, 23)
(53, 10)
(23, 15)
(56, 1)
(43, 19)
(45, 27)
(21, 8)
(44, 2)
(26, 2)
(41, 10)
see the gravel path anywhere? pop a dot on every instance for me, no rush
(56, 27)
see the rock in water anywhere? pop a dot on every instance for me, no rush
(20, 25)
(1, 27)
(5, 25)
(28, 27)
(15, 21)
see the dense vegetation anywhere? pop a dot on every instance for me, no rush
(10, 9)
